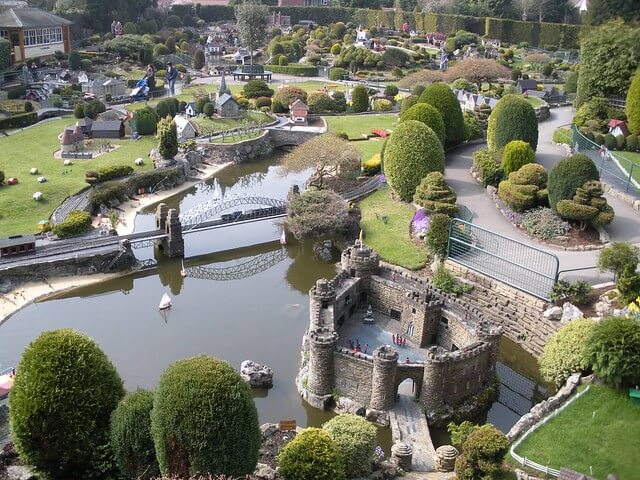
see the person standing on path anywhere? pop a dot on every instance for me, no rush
(172, 74)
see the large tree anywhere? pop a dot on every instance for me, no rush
(319, 213)
(253, 19)
(478, 70)
(326, 154)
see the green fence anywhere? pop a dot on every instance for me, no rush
(517, 264)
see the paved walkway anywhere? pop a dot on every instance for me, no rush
(625, 227)
(409, 425)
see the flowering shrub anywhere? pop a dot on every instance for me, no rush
(379, 132)
(420, 222)
(544, 224)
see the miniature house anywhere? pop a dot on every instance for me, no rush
(618, 127)
(185, 128)
(191, 109)
(298, 111)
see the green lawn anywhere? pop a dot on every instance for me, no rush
(391, 239)
(209, 126)
(631, 163)
(600, 430)
(356, 125)
(34, 147)
(369, 147)
(536, 102)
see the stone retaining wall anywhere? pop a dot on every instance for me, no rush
(520, 314)
(238, 152)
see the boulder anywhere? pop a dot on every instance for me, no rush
(346, 405)
(553, 313)
(17, 472)
(570, 312)
(324, 250)
(379, 417)
(256, 375)
(603, 309)
(265, 472)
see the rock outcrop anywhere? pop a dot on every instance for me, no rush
(256, 375)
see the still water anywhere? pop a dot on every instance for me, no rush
(247, 301)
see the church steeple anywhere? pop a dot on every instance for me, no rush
(223, 85)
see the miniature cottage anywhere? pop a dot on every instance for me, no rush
(185, 128)
(618, 127)
(227, 106)
(191, 109)
(298, 111)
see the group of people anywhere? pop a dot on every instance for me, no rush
(172, 75)
(356, 346)
(399, 340)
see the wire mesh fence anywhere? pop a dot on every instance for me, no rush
(519, 265)
(616, 169)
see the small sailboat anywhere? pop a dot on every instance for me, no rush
(283, 238)
(183, 271)
(165, 302)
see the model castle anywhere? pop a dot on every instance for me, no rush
(460, 347)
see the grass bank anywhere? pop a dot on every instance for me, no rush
(391, 237)
(357, 125)
(599, 431)
(34, 148)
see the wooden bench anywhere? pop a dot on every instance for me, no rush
(251, 72)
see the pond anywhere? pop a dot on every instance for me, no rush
(247, 300)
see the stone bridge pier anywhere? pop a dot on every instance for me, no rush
(168, 220)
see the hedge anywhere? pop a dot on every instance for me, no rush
(311, 454)
(295, 69)
(64, 392)
(516, 154)
(110, 172)
(76, 223)
(633, 105)
(427, 114)
(19, 121)
(412, 152)
(204, 420)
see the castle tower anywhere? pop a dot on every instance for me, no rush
(360, 260)
(385, 364)
(321, 296)
(173, 243)
(433, 383)
(161, 216)
(490, 333)
(320, 382)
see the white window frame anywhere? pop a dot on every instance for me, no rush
(42, 36)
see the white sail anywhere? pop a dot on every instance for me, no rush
(283, 238)
(165, 302)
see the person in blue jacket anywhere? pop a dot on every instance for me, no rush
(172, 74)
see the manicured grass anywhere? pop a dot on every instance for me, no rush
(369, 147)
(210, 126)
(630, 161)
(536, 102)
(391, 239)
(16, 106)
(34, 147)
(600, 430)
(356, 125)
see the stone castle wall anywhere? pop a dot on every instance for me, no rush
(518, 313)
(453, 332)
(353, 376)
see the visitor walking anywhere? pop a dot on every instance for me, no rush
(150, 74)
(407, 360)
(393, 337)
(172, 74)
(366, 347)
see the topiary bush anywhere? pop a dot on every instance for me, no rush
(563, 354)
(632, 108)
(427, 114)
(287, 95)
(145, 120)
(208, 109)
(489, 170)
(78, 111)
(59, 407)
(109, 172)
(482, 453)
(74, 60)
(372, 166)
(256, 89)
(320, 102)
(628, 285)
(311, 454)
(359, 99)
(633, 145)
(525, 188)
(76, 223)
(412, 152)
(198, 59)
(204, 420)
(516, 154)
(382, 105)
(472, 126)
(440, 96)
(588, 206)
(610, 141)
(355, 437)
(613, 351)
(435, 195)
(569, 174)
(513, 118)
(438, 234)
(390, 90)
(131, 440)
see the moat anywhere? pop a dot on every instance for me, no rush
(260, 312)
